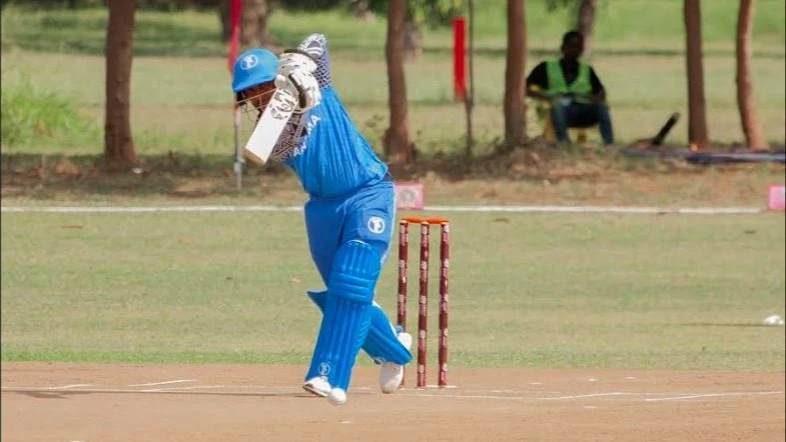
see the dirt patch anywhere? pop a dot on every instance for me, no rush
(107, 402)
(518, 177)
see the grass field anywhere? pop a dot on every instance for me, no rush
(548, 291)
(180, 90)
(605, 291)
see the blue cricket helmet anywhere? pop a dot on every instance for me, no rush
(254, 67)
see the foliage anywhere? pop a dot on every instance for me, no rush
(430, 12)
(157, 5)
(29, 115)
(571, 6)
(642, 64)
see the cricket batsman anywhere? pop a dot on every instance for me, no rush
(349, 214)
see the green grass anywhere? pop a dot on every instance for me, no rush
(590, 291)
(191, 114)
(641, 25)
(180, 85)
(30, 115)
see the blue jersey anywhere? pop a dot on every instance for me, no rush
(323, 146)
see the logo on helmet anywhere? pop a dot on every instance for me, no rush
(249, 61)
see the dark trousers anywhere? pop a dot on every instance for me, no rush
(581, 115)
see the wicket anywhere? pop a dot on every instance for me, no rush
(444, 260)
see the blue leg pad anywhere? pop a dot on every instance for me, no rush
(347, 312)
(381, 344)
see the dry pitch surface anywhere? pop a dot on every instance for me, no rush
(102, 402)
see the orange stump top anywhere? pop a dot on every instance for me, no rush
(430, 220)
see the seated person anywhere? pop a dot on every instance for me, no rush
(576, 95)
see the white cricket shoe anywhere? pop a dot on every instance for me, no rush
(337, 396)
(391, 374)
(318, 386)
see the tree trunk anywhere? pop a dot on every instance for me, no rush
(413, 40)
(697, 109)
(361, 10)
(119, 151)
(397, 146)
(515, 129)
(751, 126)
(586, 22)
(225, 18)
(253, 23)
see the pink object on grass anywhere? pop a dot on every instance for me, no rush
(409, 195)
(777, 198)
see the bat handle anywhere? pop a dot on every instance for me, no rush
(301, 97)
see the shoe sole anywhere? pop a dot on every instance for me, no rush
(310, 388)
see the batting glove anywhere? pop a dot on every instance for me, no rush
(296, 74)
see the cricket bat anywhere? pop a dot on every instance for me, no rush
(270, 126)
(661, 135)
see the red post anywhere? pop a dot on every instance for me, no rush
(403, 249)
(234, 13)
(459, 58)
(444, 265)
(423, 304)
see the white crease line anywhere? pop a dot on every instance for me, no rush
(162, 383)
(195, 387)
(616, 393)
(283, 388)
(469, 396)
(415, 393)
(63, 387)
(157, 391)
(694, 396)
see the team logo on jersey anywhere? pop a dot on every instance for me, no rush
(248, 62)
(324, 369)
(376, 224)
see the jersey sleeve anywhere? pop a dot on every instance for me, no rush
(316, 46)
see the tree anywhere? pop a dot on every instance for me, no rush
(225, 17)
(253, 22)
(398, 148)
(515, 129)
(751, 127)
(582, 17)
(585, 22)
(119, 151)
(419, 13)
(697, 109)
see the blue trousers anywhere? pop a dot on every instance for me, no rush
(582, 115)
(368, 215)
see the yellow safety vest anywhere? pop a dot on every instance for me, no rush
(557, 84)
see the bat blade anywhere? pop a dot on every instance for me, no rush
(270, 126)
(661, 135)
